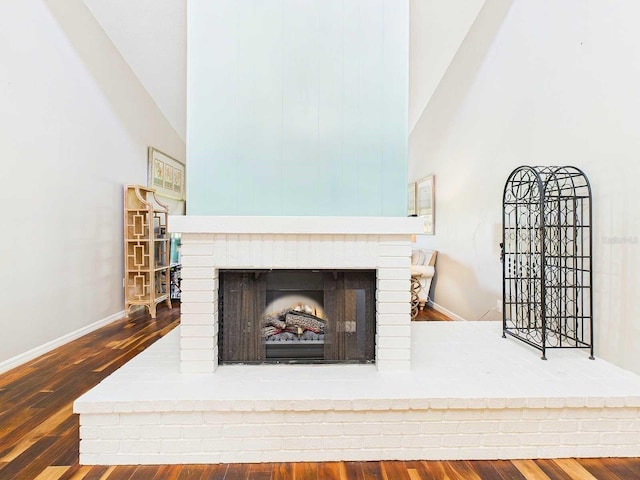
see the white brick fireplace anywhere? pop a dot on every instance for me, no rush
(210, 244)
(439, 390)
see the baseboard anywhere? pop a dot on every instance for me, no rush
(448, 313)
(58, 342)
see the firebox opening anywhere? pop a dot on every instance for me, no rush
(296, 316)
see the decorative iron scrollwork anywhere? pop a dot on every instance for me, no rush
(546, 258)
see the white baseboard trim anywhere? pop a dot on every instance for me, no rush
(448, 313)
(47, 347)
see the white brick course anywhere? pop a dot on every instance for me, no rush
(208, 284)
(201, 331)
(198, 261)
(394, 285)
(100, 419)
(393, 296)
(160, 431)
(393, 318)
(146, 446)
(197, 308)
(197, 343)
(188, 296)
(394, 312)
(394, 250)
(201, 431)
(198, 273)
(275, 435)
(193, 248)
(394, 262)
(89, 432)
(199, 355)
(394, 274)
(394, 330)
(207, 319)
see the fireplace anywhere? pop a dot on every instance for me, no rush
(331, 248)
(296, 316)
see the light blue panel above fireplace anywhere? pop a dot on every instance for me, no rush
(297, 107)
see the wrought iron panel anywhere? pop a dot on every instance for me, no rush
(546, 254)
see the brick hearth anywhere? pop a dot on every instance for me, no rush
(470, 394)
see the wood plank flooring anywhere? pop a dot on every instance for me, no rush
(39, 433)
(430, 314)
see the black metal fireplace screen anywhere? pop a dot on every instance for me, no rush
(546, 249)
(296, 316)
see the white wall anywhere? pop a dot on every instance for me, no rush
(151, 35)
(538, 82)
(437, 28)
(75, 124)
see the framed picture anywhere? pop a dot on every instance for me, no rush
(425, 203)
(411, 200)
(166, 175)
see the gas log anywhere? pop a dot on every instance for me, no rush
(293, 324)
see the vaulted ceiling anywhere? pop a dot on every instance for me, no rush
(151, 36)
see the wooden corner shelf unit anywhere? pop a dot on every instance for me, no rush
(146, 249)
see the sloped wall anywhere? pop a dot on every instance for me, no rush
(540, 83)
(75, 126)
(437, 30)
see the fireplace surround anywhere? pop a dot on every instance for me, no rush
(296, 316)
(211, 245)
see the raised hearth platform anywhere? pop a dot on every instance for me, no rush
(470, 394)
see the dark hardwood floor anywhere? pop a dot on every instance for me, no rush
(429, 314)
(39, 433)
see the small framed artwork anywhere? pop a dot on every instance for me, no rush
(411, 200)
(425, 203)
(166, 175)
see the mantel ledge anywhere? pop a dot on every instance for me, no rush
(260, 225)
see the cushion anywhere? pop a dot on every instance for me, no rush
(418, 257)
